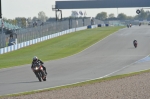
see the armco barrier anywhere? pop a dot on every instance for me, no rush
(34, 41)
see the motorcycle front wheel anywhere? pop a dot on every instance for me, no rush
(38, 76)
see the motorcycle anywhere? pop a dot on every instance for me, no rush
(127, 25)
(135, 44)
(39, 72)
(130, 25)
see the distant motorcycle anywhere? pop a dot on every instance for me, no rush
(40, 73)
(135, 44)
(127, 26)
(130, 25)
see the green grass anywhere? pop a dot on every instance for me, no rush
(56, 48)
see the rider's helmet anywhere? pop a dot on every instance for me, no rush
(35, 58)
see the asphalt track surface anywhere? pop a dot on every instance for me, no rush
(113, 55)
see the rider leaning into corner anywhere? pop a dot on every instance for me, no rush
(35, 59)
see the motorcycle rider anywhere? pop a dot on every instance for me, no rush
(35, 59)
(134, 42)
(128, 25)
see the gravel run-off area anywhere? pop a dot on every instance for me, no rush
(133, 87)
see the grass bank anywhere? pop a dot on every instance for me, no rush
(56, 48)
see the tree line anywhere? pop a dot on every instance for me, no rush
(23, 22)
(121, 16)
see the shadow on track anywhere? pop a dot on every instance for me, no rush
(2, 83)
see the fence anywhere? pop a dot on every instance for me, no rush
(40, 39)
(46, 29)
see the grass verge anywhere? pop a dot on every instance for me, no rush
(56, 48)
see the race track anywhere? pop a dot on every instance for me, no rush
(111, 56)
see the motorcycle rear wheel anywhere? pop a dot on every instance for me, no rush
(44, 79)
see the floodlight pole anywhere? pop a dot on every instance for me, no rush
(1, 13)
(0, 9)
(1, 16)
(3, 37)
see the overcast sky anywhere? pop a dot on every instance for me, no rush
(31, 8)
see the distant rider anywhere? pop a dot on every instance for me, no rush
(134, 42)
(35, 59)
(130, 25)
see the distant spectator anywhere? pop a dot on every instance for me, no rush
(11, 36)
(33, 24)
(15, 35)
